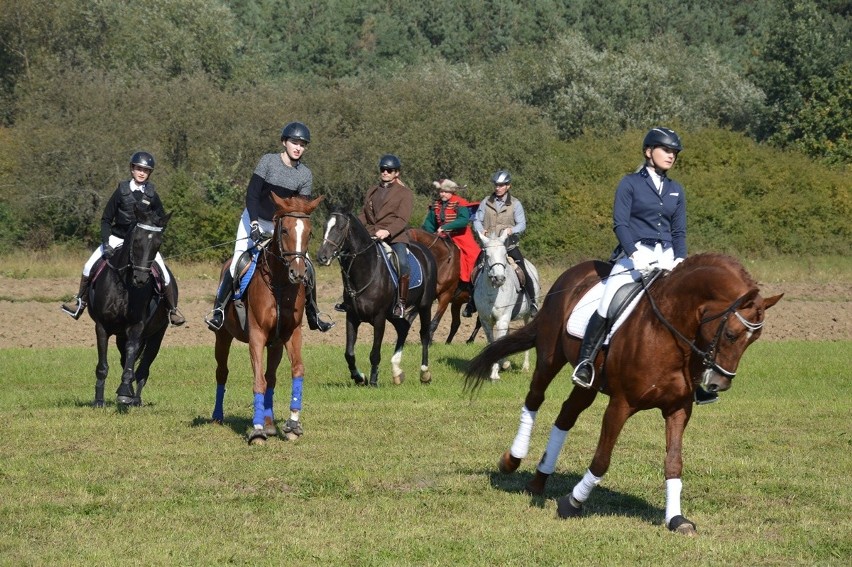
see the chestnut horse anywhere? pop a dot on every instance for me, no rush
(688, 330)
(274, 302)
(448, 291)
(124, 301)
(369, 294)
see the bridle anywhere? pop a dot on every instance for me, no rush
(708, 357)
(491, 265)
(285, 256)
(145, 268)
(338, 253)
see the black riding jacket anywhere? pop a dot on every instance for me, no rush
(120, 211)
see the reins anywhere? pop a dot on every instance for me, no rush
(351, 256)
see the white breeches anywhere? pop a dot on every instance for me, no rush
(115, 242)
(243, 240)
(623, 272)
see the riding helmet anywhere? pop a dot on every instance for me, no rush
(296, 131)
(389, 161)
(662, 137)
(501, 177)
(142, 159)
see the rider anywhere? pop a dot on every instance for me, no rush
(498, 213)
(449, 216)
(387, 210)
(649, 220)
(285, 175)
(136, 193)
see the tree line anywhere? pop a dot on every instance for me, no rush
(548, 89)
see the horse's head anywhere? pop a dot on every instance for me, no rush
(340, 228)
(292, 219)
(142, 243)
(730, 316)
(496, 258)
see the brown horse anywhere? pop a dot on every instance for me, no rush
(448, 292)
(274, 302)
(689, 330)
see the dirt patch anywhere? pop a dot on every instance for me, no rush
(30, 308)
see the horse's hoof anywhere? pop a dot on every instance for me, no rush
(399, 378)
(567, 507)
(508, 464)
(256, 437)
(681, 525)
(124, 400)
(98, 404)
(507, 364)
(217, 421)
(270, 430)
(425, 377)
(536, 486)
(292, 430)
(359, 379)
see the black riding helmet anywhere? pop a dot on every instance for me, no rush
(389, 161)
(662, 137)
(142, 159)
(296, 131)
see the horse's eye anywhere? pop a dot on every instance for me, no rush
(731, 336)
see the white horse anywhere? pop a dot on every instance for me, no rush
(496, 292)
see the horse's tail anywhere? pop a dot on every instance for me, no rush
(479, 369)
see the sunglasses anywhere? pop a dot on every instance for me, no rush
(387, 170)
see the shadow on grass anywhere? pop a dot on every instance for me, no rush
(239, 425)
(602, 502)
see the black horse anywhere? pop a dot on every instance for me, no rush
(369, 293)
(124, 301)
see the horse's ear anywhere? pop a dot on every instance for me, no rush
(770, 301)
(482, 236)
(503, 236)
(315, 203)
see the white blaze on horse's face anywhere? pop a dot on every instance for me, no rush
(300, 239)
(332, 220)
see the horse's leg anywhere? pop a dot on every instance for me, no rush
(273, 360)
(489, 337)
(149, 353)
(102, 369)
(615, 416)
(476, 327)
(526, 365)
(125, 394)
(425, 343)
(577, 402)
(293, 426)
(376, 351)
(546, 368)
(257, 342)
(352, 325)
(443, 302)
(675, 426)
(402, 326)
(455, 319)
(223, 349)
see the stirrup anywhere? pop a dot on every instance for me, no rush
(398, 310)
(176, 318)
(579, 381)
(317, 324)
(212, 323)
(468, 311)
(76, 313)
(340, 307)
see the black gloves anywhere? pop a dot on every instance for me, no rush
(108, 251)
(255, 234)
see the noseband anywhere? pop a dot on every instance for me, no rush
(143, 268)
(284, 255)
(708, 357)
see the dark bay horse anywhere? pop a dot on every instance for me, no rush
(447, 289)
(124, 301)
(369, 294)
(274, 303)
(689, 330)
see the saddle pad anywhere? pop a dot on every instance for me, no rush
(416, 278)
(582, 312)
(244, 281)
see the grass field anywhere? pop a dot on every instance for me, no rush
(407, 475)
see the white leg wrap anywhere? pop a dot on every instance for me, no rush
(673, 488)
(584, 488)
(547, 464)
(521, 444)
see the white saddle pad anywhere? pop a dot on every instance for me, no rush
(582, 312)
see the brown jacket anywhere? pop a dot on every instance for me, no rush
(391, 213)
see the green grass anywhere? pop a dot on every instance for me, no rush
(406, 475)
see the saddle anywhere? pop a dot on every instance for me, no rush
(416, 270)
(101, 264)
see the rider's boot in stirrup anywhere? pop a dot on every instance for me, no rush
(223, 294)
(529, 289)
(176, 318)
(399, 308)
(311, 307)
(76, 306)
(584, 372)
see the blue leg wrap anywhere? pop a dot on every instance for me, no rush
(296, 397)
(218, 408)
(258, 410)
(267, 403)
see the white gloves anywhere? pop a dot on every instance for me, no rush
(676, 262)
(642, 259)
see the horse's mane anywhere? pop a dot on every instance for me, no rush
(687, 270)
(149, 216)
(355, 222)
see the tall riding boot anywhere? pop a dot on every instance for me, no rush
(77, 305)
(223, 294)
(399, 308)
(311, 308)
(176, 318)
(584, 372)
(529, 289)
